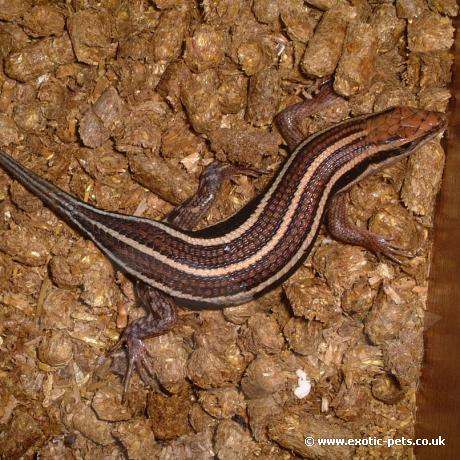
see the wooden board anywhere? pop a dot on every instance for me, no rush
(439, 394)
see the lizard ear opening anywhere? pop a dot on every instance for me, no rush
(393, 139)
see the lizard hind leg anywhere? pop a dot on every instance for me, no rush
(160, 318)
(187, 215)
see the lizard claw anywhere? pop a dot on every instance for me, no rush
(392, 251)
(138, 357)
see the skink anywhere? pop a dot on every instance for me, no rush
(256, 249)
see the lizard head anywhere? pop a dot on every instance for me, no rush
(404, 128)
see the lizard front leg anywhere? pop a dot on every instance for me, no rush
(289, 119)
(342, 229)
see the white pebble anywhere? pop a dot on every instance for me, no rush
(303, 384)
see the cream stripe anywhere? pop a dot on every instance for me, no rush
(229, 237)
(248, 295)
(254, 258)
(245, 296)
(209, 241)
